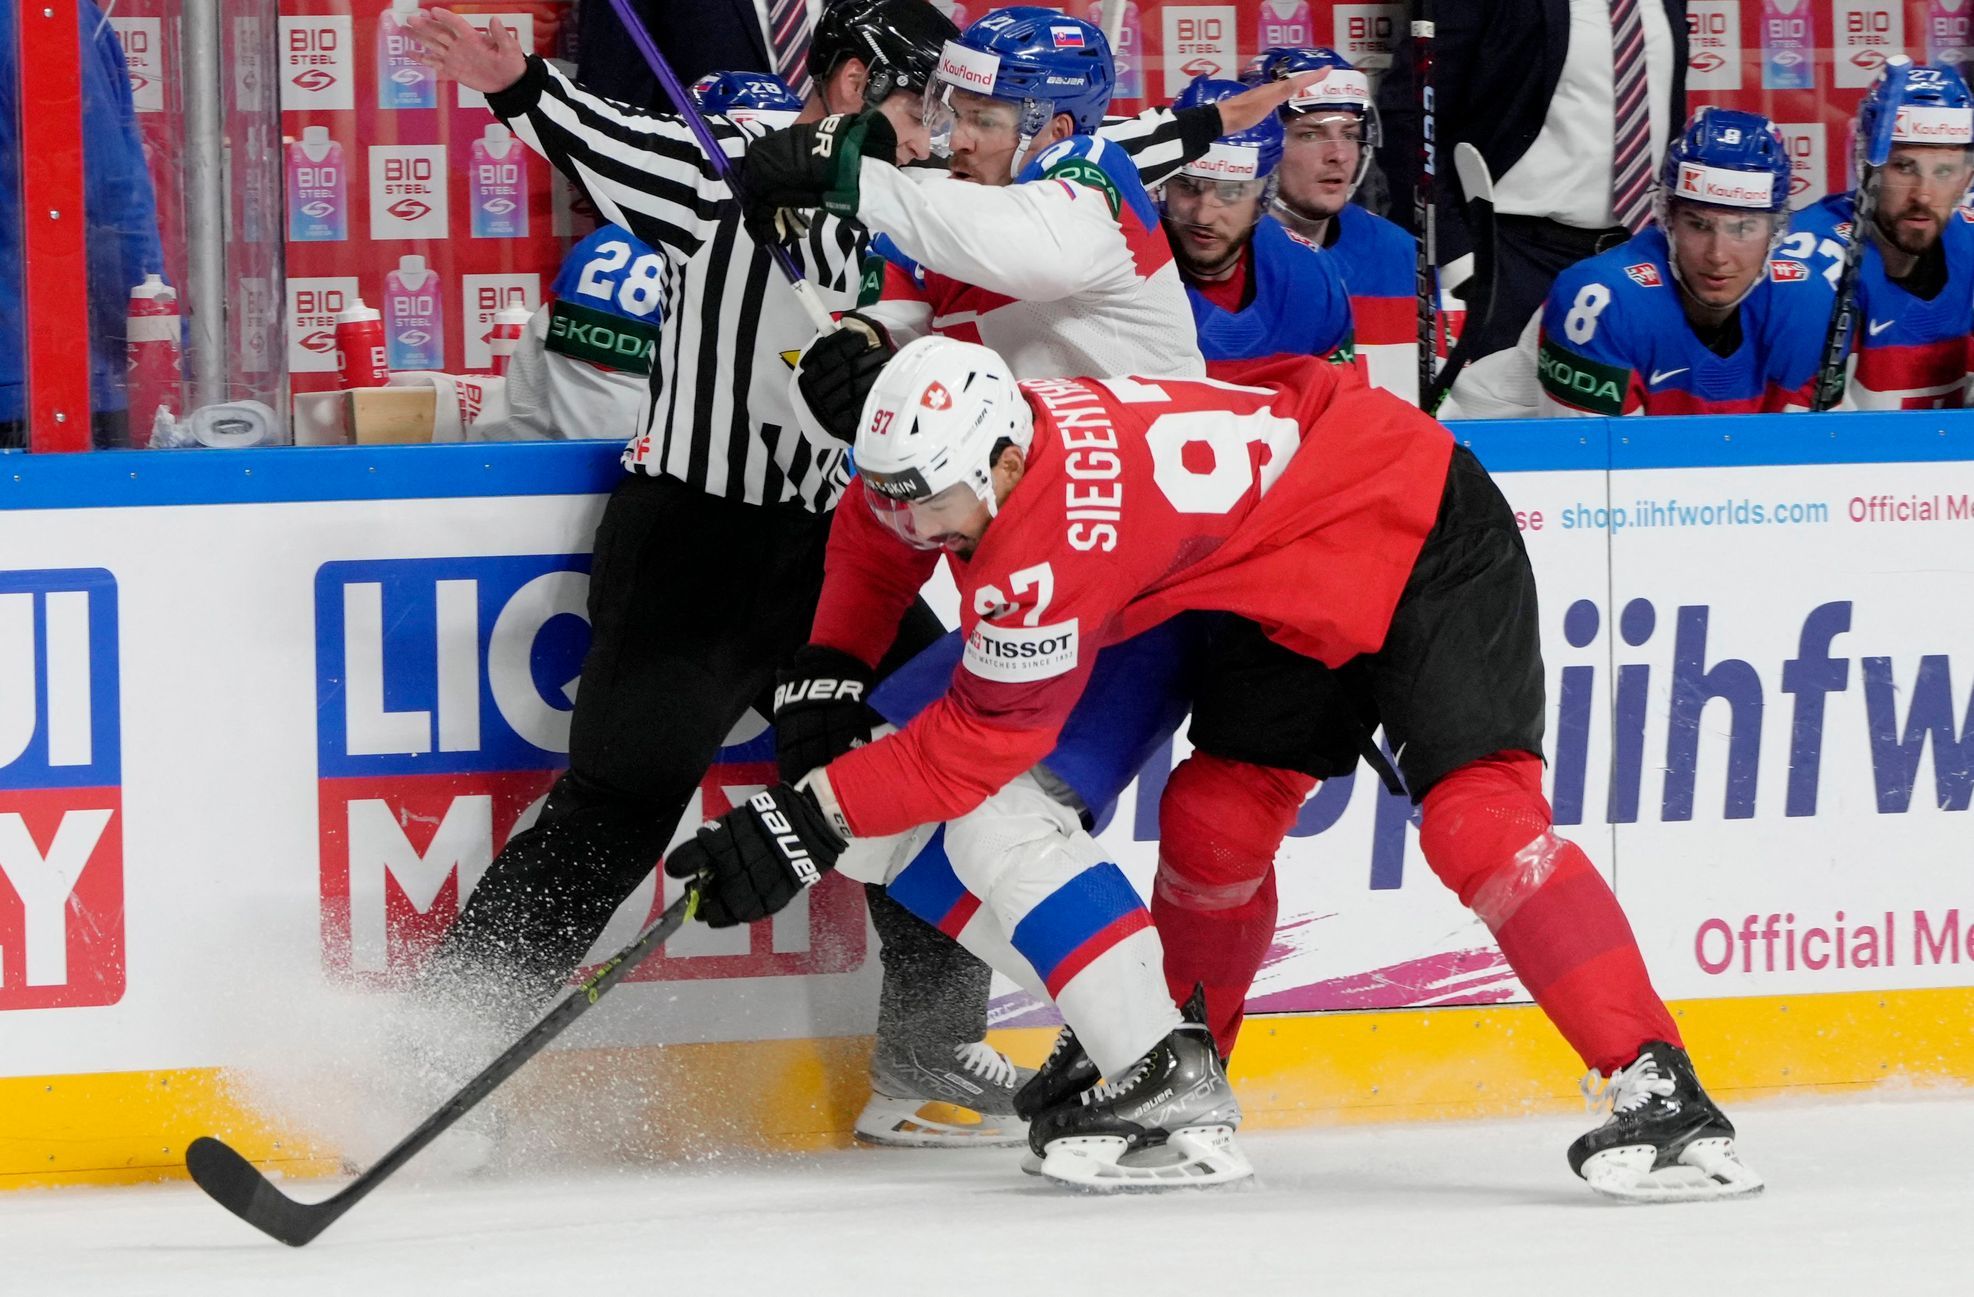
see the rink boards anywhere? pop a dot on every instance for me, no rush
(265, 714)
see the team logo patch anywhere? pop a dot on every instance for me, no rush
(1644, 274)
(1787, 272)
(936, 397)
(1067, 38)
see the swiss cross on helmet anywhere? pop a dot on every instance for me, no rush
(898, 40)
(747, 97)
(929, 430)
(1933, 107)
(1036, 58)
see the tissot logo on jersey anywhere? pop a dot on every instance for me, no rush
(61, 797)
(1021, 654)
(444, 693)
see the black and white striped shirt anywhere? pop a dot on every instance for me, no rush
(719, 416)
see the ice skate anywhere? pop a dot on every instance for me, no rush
(1665, 1140)
(1064, 1074)
(1168, 1122)
(964, 1100)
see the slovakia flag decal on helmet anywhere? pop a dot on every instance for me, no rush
(1067, 38)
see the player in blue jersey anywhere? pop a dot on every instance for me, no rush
(1696, 315)
(1256, 289)
(1330, 130)
(1915, 288)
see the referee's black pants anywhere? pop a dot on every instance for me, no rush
(694, 603)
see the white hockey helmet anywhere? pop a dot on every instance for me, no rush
(930, 425)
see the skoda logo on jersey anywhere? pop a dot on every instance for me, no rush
(61, 790)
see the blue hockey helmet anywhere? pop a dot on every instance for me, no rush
(1252, 154)
(747, 96)
(1036, 58)
(1933, 106)
(1343, 87)
(1727, 158)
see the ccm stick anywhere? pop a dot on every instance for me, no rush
(1425, 280)
(1843, 317)
(232, 1182)
(1478, 185)
(695, 120)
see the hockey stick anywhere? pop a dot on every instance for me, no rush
(695, 121)
(232, 1182)
(1425, 281)
(1843, 316)
(1478, 185)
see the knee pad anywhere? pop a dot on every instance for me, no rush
(1487, 832)
(1220, 824)
(1020, 830)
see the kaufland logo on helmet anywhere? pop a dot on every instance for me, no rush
(444, 693)
(1338, 86)
(1920, 125)
(1227, 162)
(1723, 188)
(969, 68)
(1067, 38)
(61, 790)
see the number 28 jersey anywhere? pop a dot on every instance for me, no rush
(1615, 339)
(1300, 503)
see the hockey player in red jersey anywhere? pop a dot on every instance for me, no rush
(1082, 512)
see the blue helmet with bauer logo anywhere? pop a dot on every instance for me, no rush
(1037, 58)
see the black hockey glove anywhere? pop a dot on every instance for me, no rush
(752, 861)
(820, 709)
(814, 164)
(838, 370)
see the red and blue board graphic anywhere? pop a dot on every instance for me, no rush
(61, 791)
(444, 690)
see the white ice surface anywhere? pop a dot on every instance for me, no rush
(1864, 1197)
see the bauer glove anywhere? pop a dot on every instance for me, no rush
(820, 709)
(752, 861)
(838, 370)
(814, 164)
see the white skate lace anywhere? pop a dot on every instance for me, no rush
(986, 1062)
(1105, 1091)
(1628, 1088)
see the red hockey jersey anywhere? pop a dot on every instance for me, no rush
(1300, 503)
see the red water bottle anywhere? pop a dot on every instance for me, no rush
(360, 346)
(151, 334)
(509, 322)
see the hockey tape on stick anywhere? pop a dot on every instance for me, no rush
(722, 166)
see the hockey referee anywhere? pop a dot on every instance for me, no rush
(709, 557)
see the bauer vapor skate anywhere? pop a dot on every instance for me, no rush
(1665, 1140)
(964, 1099)
(1167, 1122)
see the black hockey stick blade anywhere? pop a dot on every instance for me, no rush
(233, 1182)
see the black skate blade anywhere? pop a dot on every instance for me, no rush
(232, 1182)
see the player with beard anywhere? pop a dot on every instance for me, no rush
(1696, 314)
(1330, 129)
(1256, 289)
(1915, 288)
